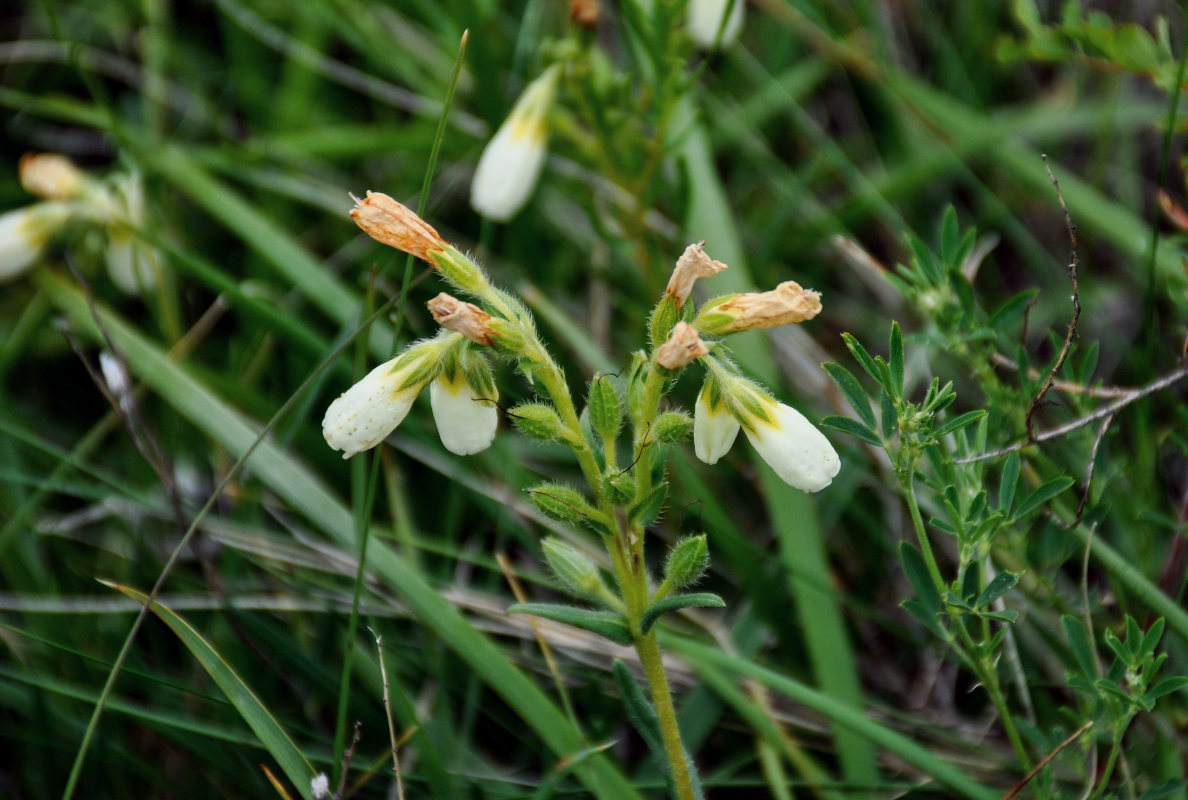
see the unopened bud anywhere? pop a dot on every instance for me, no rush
(575, 572)
(538, 421)
(687, 561)
(692, 264)
(562, 502)
(606, 412)
(395, 225)
(620, 487)
(461, 317)
(673, 427)
(52, 176)
(784, 305)
(682, 348)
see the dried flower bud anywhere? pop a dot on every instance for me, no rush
(394, 224)
(52, 176)
(584, 13)
(786, 304)
(692, 264)
(682, 348)
(461, 317)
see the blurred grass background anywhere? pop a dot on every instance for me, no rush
(806, 151)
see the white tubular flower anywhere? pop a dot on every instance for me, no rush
(793, 447)
(466, 421)
(132, 266)
(511, 163)
(365, 414)
(714, 427)
(705, 18)
(24, 233)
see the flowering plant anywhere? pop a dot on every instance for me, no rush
(625, 497)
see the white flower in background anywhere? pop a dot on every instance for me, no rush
(466, 421)
(319, 786)
(132, 265)
(24, 233)
(793, 447)
(365, 414)
(705, 19)
(511, 163)
(52, 176)
(714, 427)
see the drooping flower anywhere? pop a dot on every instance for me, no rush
(714, 427)
(466, 421)
(24, 233)
(793, 447)
(364, 415)
(693, 264)
(133, 265)
(52, 176)
(511, 163)
(704, 20)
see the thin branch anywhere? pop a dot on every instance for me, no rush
(1068, 387)
(1101, 432)
(1076, 302)
(379, 646)
(347, 757)
(1101, 413)
(1072, 737)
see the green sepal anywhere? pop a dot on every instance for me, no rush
(606, 412)
(673, 427)
(637, 376)
(562, 502)
(573, 570)
(675, 603)
(687, 561)
(610, 624)
(538, 421)
(619, 487)
(664, 317)
(646, 510)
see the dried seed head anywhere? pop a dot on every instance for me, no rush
(461, 317)
(682, 348)
(692, 264)
(394, 224)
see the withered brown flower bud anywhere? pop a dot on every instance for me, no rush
(461, 317)
(692, 264)
(784, 305)
(682, 348)
(394, 224)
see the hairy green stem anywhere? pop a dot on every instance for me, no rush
(649, 656)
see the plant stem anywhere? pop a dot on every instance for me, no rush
(649, 656)
(975, 656)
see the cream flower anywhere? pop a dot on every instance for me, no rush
(52, 176)
(466, 422)
(365, 414)
(714, 427)
(705, 19)
(793, 447)
(24, 233)
(511, 163)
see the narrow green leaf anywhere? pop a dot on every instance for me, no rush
(1010, 480)
(950, 238)
(1042, 495)
(296, 768)
(919, 577)
(889, 414)
(1166, 687)
(861, 355)
(854, 428)
(895, 360)
(968, 418)
(675, 603)
(926, 618)
(850, 387)
(1003, 582)
(605, 623)
(1082, 649)
(647, 509)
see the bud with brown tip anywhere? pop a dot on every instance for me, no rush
(784, 305)
(683, 347)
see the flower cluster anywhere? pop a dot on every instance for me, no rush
(69, 194)
(455, 367)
